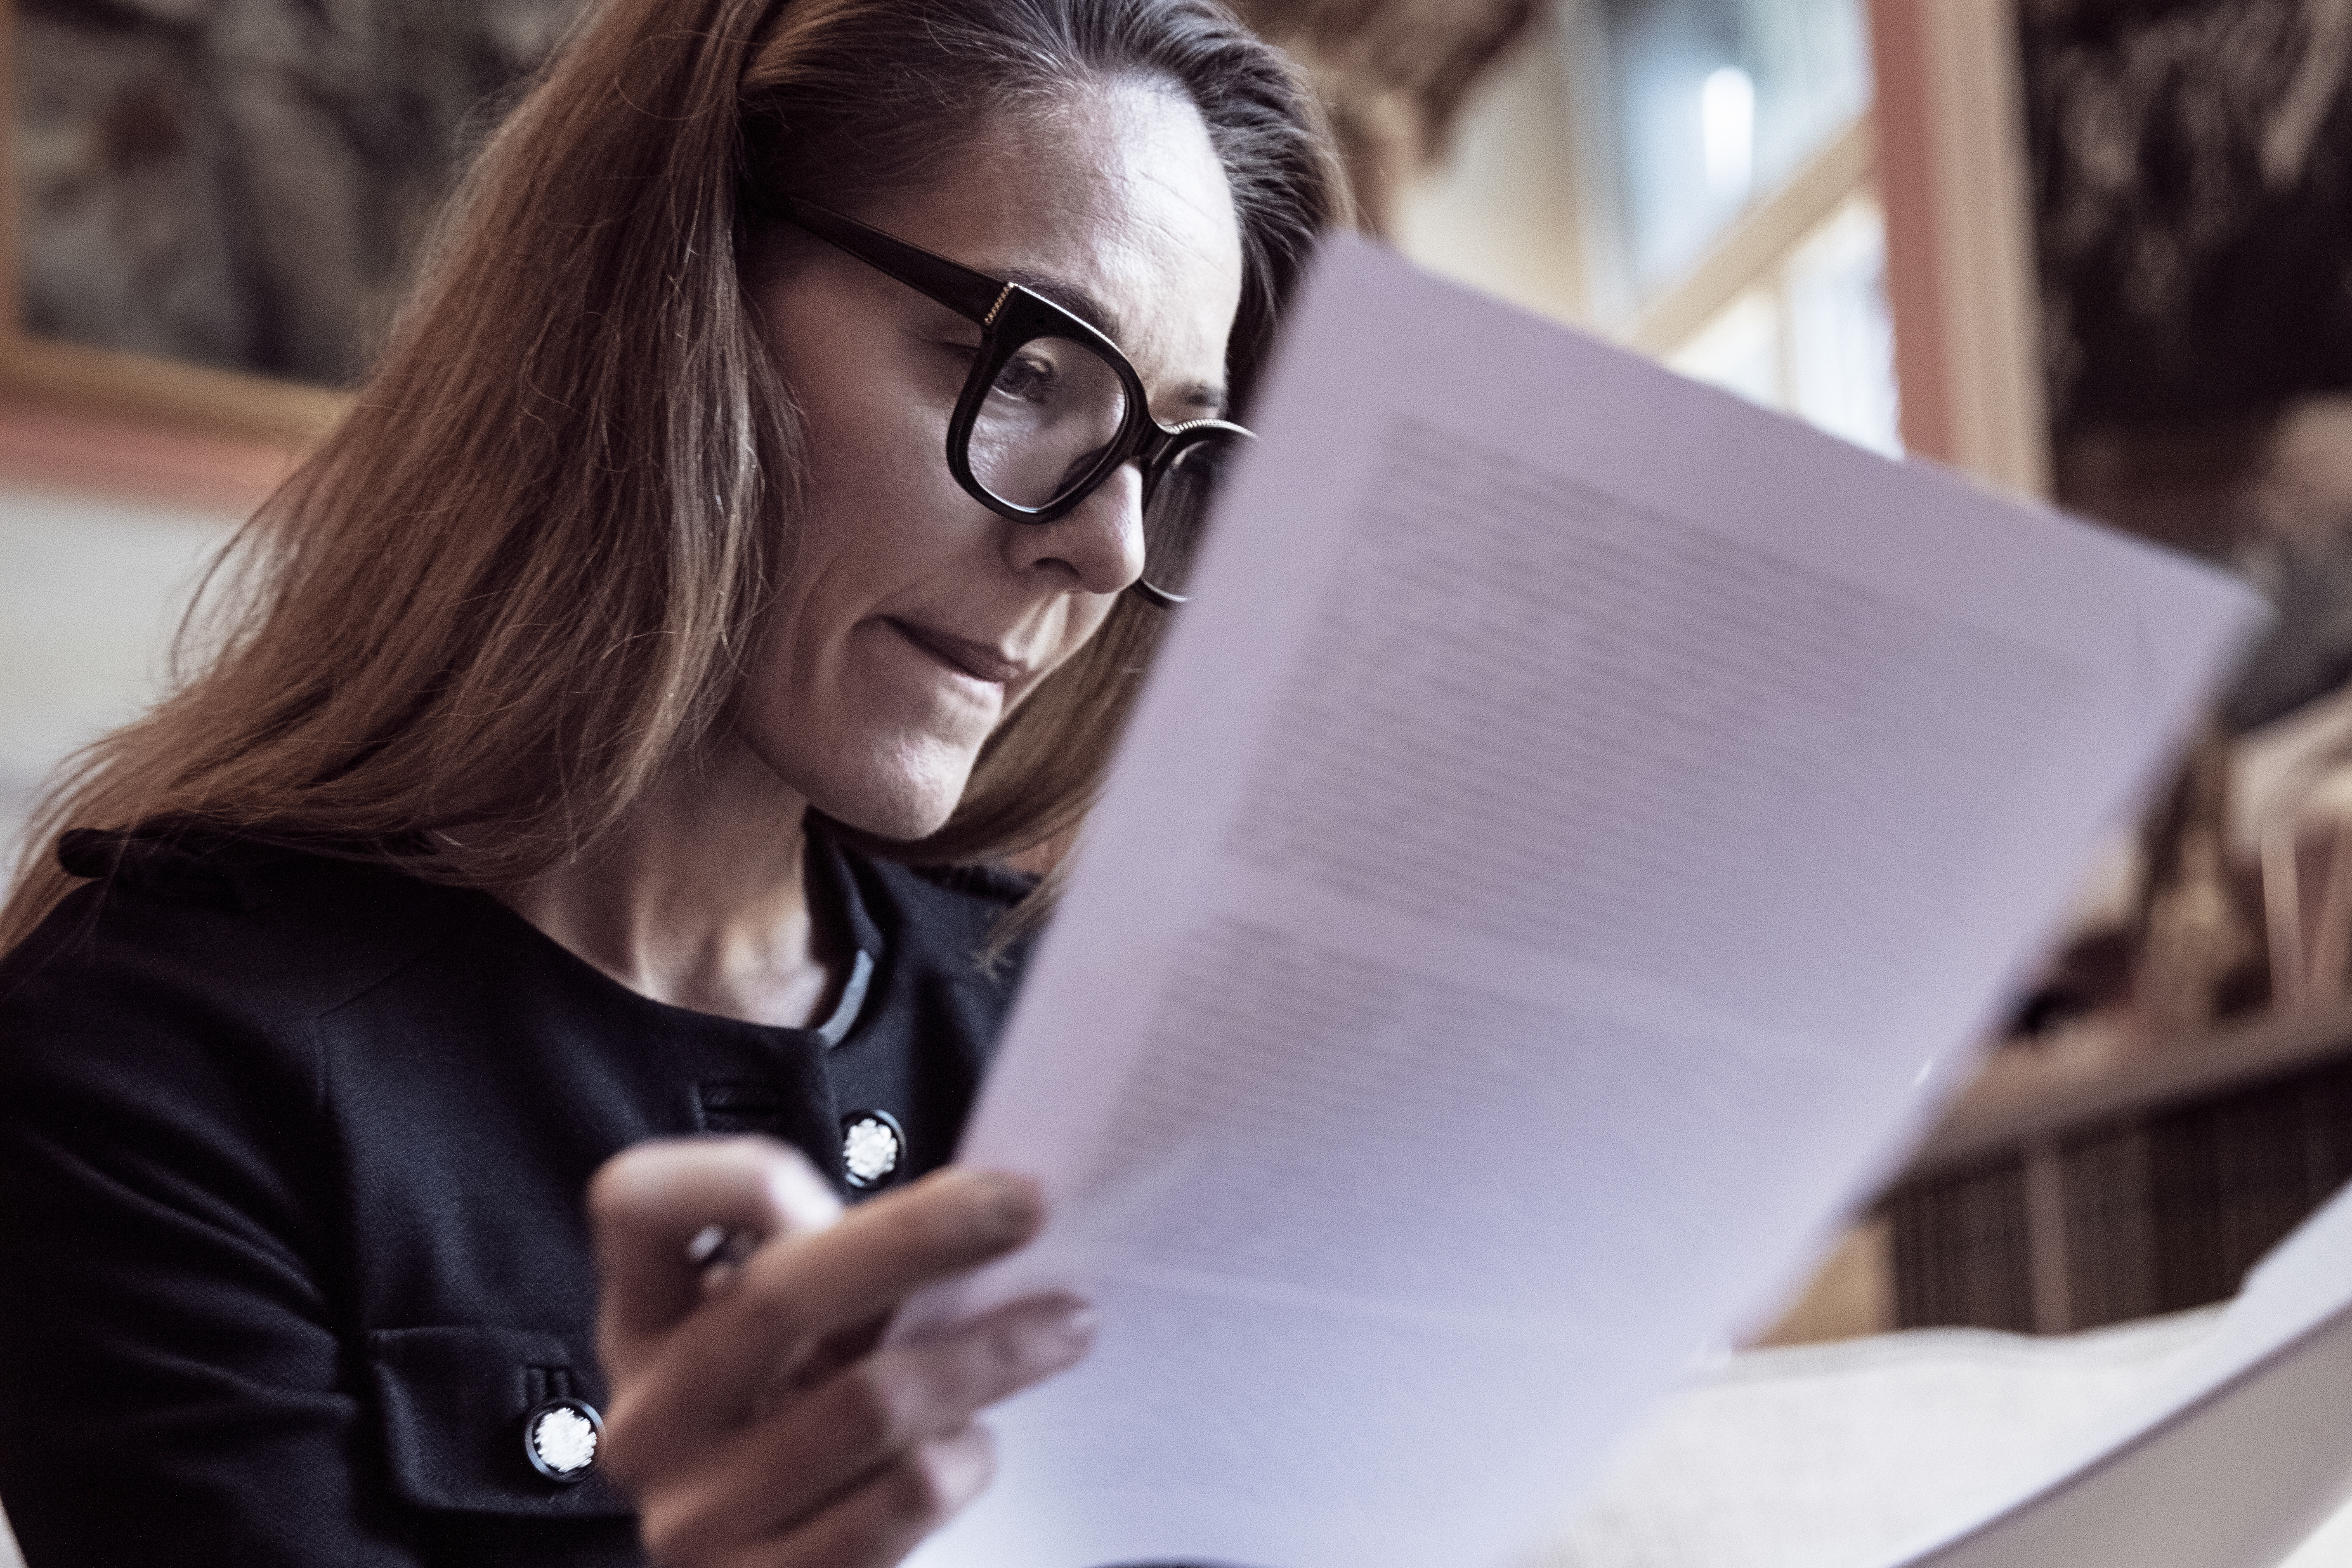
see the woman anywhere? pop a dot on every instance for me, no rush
(752, 504)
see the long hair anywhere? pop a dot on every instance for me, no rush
(519, 581)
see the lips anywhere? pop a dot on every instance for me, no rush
(980, 660)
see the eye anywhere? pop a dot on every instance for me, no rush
(1027, 378)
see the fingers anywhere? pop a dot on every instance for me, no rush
(647, 1204)
(794, 1473)
(873, 1525)
(881, 1521)
(951, 1221)
(764, 1336)
(752, 1419)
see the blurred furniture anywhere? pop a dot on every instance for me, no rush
(1840, 1456)
(2179, 1093)
(2075, 1187)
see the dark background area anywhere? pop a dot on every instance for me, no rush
(246, 183)
(2192, 174)
(2192, 188)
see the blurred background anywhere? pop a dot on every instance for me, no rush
(2096, 252)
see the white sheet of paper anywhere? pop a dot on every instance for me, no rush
(2230, 1460)
(1577, 824)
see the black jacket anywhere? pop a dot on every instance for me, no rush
(291, 1157)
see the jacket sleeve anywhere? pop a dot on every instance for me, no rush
(172, 1388)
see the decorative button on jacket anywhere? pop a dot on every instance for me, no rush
(873, 1149)
(561, 1438)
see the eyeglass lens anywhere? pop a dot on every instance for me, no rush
(1176, 510)
(1052, 410)
(1049, 414)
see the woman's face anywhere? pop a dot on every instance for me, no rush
(913, 619)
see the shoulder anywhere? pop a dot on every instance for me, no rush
(159, 1045)
(207, 926)
(164, 1031)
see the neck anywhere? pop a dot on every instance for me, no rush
(700, 900)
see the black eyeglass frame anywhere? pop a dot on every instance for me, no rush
(1011, 316)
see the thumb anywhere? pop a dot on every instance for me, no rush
(647, 1205)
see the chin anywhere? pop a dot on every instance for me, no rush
(900, 804)
(900, 825)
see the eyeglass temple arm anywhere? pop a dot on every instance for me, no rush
(971, 295)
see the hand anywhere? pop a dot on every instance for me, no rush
(752, 1419)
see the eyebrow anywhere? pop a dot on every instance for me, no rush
(1079, 302)
(1071, 297)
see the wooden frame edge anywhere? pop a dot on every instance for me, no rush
(2018, 1100)
(1959, 238)
(166, 394)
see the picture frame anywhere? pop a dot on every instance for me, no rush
(54, 374)
(411, 100)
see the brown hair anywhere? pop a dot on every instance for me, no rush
(517, 581)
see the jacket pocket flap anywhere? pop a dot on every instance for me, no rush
(454, 1401)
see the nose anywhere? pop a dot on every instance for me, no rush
(1097, 546)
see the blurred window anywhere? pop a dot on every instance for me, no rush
(1840, 336)
(1715, 103)
(1811, 336)
(1728, 145)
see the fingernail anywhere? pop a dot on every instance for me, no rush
(1064, 1334)
(1077, 1323)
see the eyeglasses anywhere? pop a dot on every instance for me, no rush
(1052, 408)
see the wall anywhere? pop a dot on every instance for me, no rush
(104, 531)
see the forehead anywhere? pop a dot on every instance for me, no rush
(1113, 195)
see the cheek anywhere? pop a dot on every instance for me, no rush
(835, 702)
(869, 462)
(853, 722)
(1082, 621)
(876, 522)
(1086, 615)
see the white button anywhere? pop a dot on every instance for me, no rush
(872, 1148)
(561, 1438)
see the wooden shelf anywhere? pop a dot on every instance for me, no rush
(2025, 1097)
